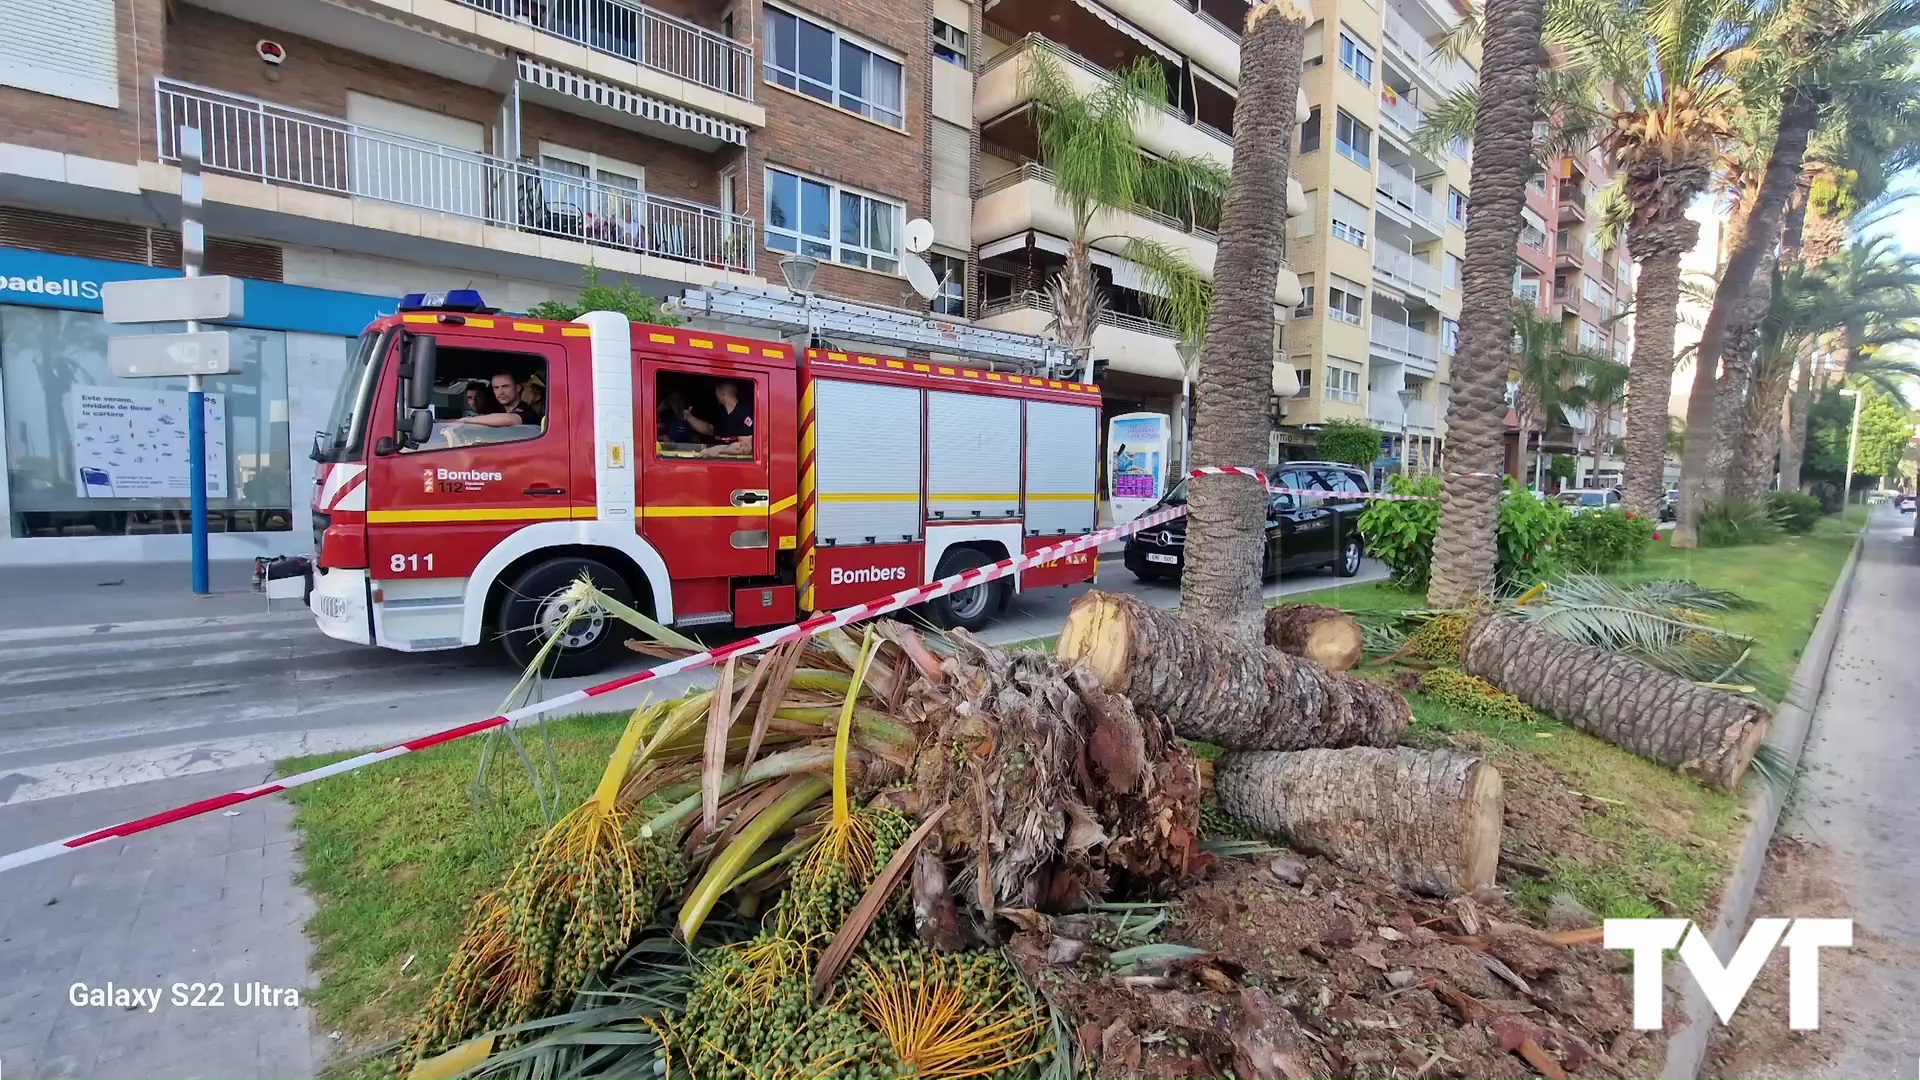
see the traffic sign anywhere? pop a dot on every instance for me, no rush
(159, 356)
(181, 299)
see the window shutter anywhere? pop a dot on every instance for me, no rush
(952, 156)
(66, 49)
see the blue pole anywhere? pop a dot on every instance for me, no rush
(197, 478)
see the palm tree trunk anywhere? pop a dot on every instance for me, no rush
(1793, 433)
(1753, 235)
(1735, 389)
(1760, 438)
(1657, 244)
(1226, 531)
(1465, 552)
(1074, 299)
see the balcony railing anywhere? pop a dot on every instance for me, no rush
(1031, 171)
(293, 148)
(1035, 300)
(1446, 72)
(1410, 197)
(1383, 410)
(1404, 340)
(1401, 116)
(1060, 54)
(640, 35)
(1404, 269)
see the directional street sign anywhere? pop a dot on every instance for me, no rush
(159, 356)
(181, 299)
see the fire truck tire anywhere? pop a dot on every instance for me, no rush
(534, 604)
(970, 609)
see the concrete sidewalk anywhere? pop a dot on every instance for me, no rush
(209, 900)
(110, 593)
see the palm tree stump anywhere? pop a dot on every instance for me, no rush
(1327, 636)
(1706, 734)
(1222, 690)
(1430, 820)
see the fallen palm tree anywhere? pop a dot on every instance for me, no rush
(1327, 636)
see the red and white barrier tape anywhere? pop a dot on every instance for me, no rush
(746, 646)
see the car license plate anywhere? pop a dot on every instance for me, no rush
(1169, 559)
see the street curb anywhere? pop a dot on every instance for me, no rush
(1792, 723)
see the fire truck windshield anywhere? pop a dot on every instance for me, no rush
(346, 429)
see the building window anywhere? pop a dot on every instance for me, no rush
(1306, 303)
(1306, 383)
(606, 194)
(1452, 270)
(1343, 384)
(1590, 290)
(832, 223)
(951, 273)
(1353, 138)
(1457, 207)
(1450, 336)
(1528, 290)
(1538, 185)
(1310, 132)
(1347, 305)
(1351, 220)
(1589, 336)
(1593, 249)
(823, 63)
(1606, 299)
(1356, 58)
(950, 43)
(1459, 147)
(1533, 238)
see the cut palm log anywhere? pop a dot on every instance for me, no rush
(1216, 689)
(1327, 636)
(1707, 734)
(1428, 819)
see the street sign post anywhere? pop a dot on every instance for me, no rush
(195, 354)
(159, 356)
(181, 299)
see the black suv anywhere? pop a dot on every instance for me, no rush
(1303, 532)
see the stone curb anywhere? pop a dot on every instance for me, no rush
(1792, 722)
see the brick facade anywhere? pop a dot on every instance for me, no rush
(75, 127)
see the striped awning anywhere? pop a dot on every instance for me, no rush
(605, 94)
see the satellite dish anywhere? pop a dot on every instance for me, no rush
(920, 276)
(919, 235)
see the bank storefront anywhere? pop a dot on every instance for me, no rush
(95, 467)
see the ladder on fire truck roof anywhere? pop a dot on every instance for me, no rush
(788, 312)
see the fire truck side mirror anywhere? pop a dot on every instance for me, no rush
(419, 426)
(418, 368)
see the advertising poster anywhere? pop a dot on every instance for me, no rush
(132, 443)
(1136, 462)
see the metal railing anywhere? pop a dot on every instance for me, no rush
(1401, 114)
(1401, 267)
(1405, 340)
(1036, 300)
(640, 35)
(1056, 51)
(294, 148)
(1409, 196)
(1032, 171)
(1446, 72)
(1383, 409)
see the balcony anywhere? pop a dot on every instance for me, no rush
(1402, 344)
(341, 174)
(626, 43)
(1400, 118)
(1126, 342)
(1406, 272)
(1383, 412)
(1573, 208)
(1442, 74)
(1408, 202)
(1024, 199)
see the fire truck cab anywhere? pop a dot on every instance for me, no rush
(477, 463)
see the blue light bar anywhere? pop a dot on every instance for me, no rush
(452, 300)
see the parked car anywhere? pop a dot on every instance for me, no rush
(1303, 531)
(1903, 502)
(1581, 500)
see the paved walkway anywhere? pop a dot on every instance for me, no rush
(211, 900)
(1849, 844)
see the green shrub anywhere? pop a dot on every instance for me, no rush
(1796, 511)
(1530, 527)
(1401, 534)
(1349, 442)
(1734, 522)
(1562, 466)
(1601, 541)
(621, 297)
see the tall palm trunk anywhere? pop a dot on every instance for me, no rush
(1657, 243)
(1227, 517)
(1753, 235)
(1760, 437)
(1823, 237)
(1465, 552)
(1736, 387)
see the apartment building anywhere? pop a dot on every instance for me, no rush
(1022, 231)
(1384, 229)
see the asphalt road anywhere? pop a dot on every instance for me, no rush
(222, 685)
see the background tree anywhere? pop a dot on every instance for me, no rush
(1886, 425)
(1348, 441)
(1091, 145)
(595, 295)
(1227, 516)
(1502, 113)
(1554, 378)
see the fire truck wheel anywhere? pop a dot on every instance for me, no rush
(535, 605)
(968, 609)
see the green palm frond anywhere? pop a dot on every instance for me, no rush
(1176, 294)
(1656, 621)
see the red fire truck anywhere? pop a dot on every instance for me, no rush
(451, 510)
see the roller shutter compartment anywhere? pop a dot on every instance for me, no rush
(973, 457)
(1062, 442)
(866, 463)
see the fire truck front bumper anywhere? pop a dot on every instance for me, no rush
(339, 605)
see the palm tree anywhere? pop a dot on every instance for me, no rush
(1502, 116)
(1227, 514)
(1089, 143)
(1810, 51)
(1554, 378)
